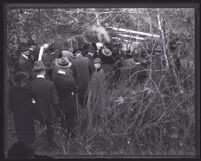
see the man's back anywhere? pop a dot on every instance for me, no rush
(83, 69)
(45, 96)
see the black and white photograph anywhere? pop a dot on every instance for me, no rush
(100, 81)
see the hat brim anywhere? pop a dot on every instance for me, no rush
(62, 67)
(109, 54)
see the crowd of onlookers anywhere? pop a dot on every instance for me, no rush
(53, 84)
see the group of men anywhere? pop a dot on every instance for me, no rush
(50, 85)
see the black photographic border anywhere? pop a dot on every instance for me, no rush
(134, 4)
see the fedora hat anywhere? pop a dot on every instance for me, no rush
(20, 79)
(63, 63)
(38, 65)
(106, 52)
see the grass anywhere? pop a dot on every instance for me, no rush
(136, 118)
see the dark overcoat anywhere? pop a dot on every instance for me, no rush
(48, 59)
(44, 94)
(20, 104)
(84, 70)
(66, 89)
(25, 65)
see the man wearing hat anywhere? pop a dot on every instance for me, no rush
(24, 63)
(107, 58)
(65, 56)
(67, 90)
(49, 55)
(45, 99)
(84, 70)
(34, 51)
(68, 54)
(20, 103)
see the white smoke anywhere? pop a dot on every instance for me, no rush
(101, 33)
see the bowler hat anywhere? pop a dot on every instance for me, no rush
(24, 47)
(38, 65)
(20, 79)
(31, 42)
(63, 63)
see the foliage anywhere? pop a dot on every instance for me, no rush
(150, 116)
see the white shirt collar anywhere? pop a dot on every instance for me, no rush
(61, 72)
(40, 76)
(79, 55)
(26, 57)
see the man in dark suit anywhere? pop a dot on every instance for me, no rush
(50, 54)
(67, 91)
(84, 70)
(21, 106)
(34, 51)
(24, 63)
(45, 99)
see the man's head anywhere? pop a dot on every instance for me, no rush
(99, 45)
(32, 44)
(51, 49)
(77, 52)
(24, 48)
(20, 79)
(63, 63)
(39, 67)
(97, 63)
(66, 53)
(106, 51)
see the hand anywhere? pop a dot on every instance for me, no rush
(45, 46)
(119, 100)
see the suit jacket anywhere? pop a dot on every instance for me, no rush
(44, 93)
